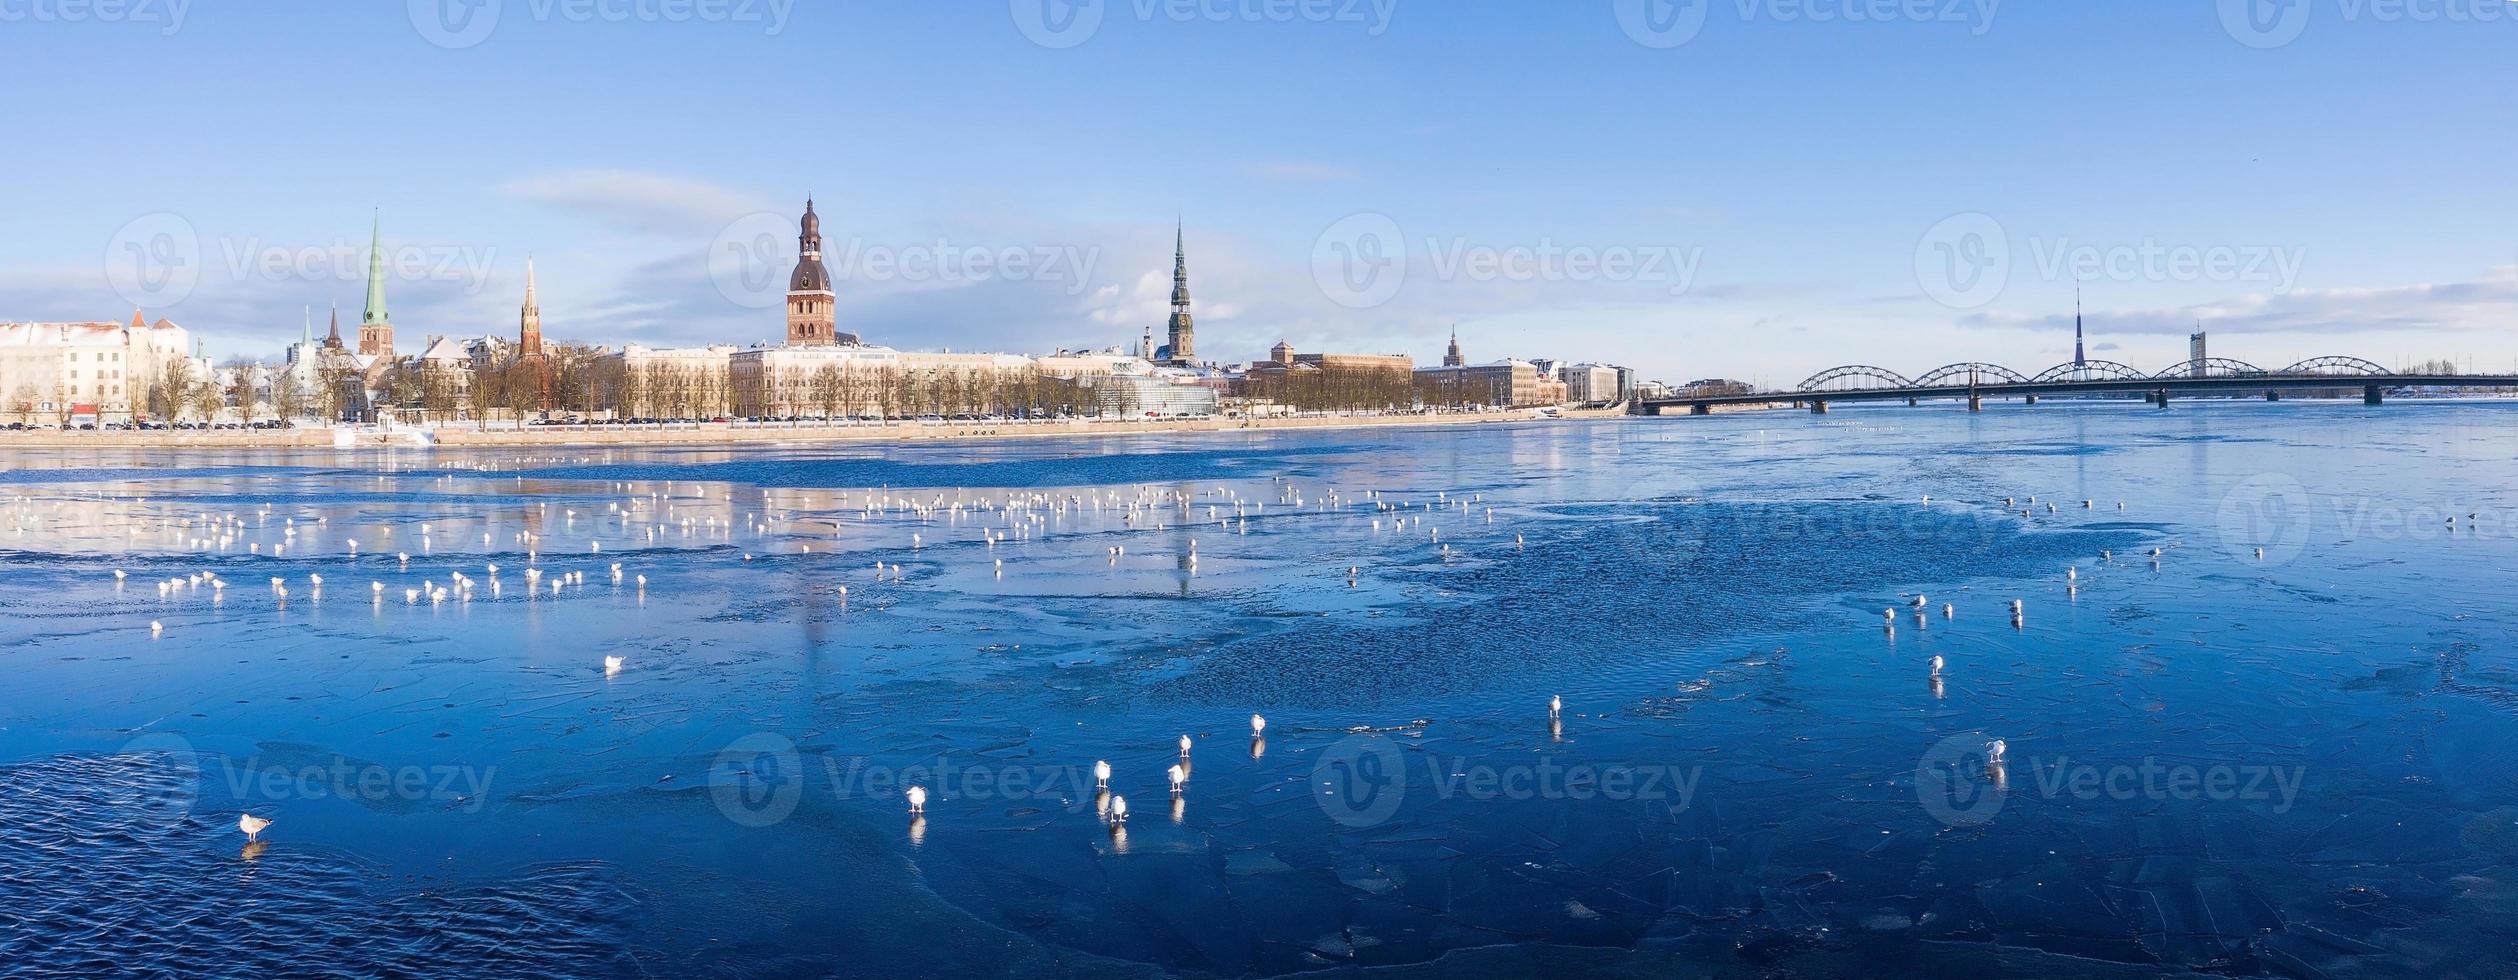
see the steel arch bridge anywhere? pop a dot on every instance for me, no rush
(1978, 380)
(2348, 366)
(1878, 378)
(2211, 367)
(1971, 372)
(2088, 371)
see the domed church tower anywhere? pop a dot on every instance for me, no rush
(812, 320)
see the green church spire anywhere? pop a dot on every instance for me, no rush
(376, 275)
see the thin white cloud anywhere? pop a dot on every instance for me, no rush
(1301, 171)
(640, 203)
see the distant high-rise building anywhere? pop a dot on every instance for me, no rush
(2195, 353)
(812, 308)
(1451, 357)
(375, 328)
(1183, 335)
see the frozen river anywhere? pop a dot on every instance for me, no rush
(2292, 762)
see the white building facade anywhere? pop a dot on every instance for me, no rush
(105, 372)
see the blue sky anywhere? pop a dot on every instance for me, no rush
(1771, 189)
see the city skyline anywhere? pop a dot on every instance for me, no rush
(1742, 260)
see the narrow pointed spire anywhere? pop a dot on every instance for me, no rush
(307, 336)
(376, 274)
(1183, 327)
(2078, 357)
(529, 320)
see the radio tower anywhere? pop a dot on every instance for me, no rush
(2078, 359)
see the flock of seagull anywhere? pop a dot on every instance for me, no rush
(658, 514)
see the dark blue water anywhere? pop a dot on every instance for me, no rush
(2295, 763)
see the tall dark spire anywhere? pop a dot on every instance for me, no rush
(2078, 358)
(1451, 356)
(1183, 327)
(332, 340)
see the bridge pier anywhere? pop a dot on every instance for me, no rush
(2159, 397)
(2273, 396)
(1818, 407)
(1700, 410)
(1912, 402)
(2370, 395)
(1975, 402)
(2032, 399)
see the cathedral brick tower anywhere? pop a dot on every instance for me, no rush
(536, 370)
(812, 317)
(529, 322)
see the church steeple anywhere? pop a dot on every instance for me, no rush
(332, 340)
(1184, 329)
(529, 329)
(375, 327)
